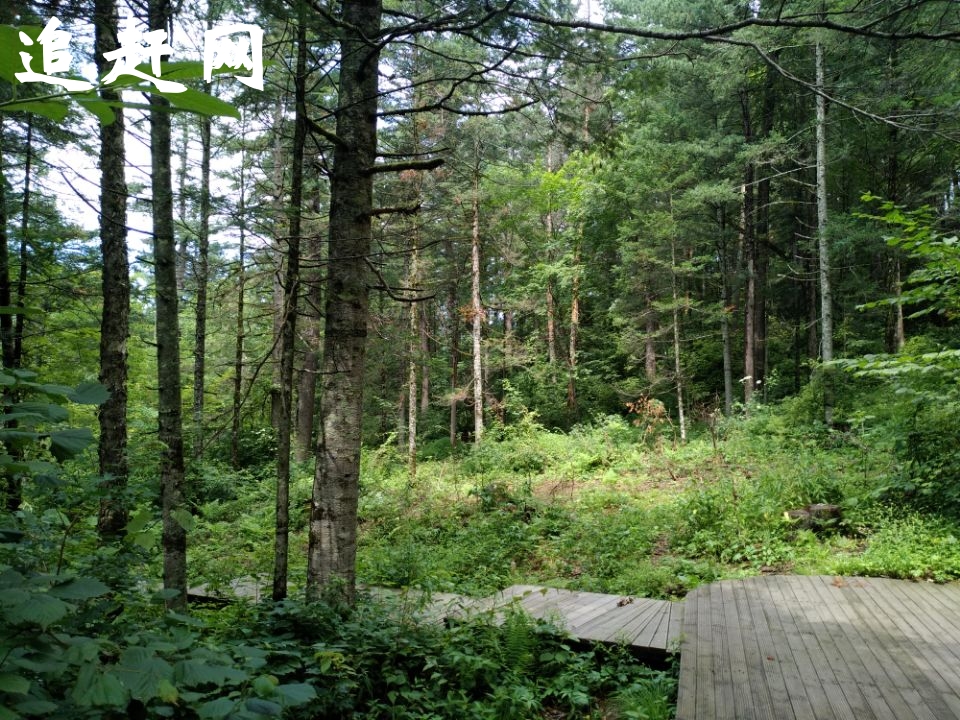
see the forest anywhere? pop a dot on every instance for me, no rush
(441, 297)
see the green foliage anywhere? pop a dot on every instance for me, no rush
(913, 546)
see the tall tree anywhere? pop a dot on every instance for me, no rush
(115, 317)
(174, 534)
(288, 332)
(333, 513)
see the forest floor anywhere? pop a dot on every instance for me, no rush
(607, 508)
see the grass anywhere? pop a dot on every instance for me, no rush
(600, 510)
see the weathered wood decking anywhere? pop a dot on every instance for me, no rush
(768, 648)
(820, 648)
(595, 617)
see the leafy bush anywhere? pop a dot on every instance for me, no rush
(911, 546)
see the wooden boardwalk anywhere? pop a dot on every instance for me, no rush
(640, 622)
(820, 648)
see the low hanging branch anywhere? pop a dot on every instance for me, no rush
(405, 165)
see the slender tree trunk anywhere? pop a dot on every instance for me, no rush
(477, 311)
(425, 360)
(413, 345)
(6, 320)
(677, 365)
(574, 330)
(240, 327)
(726, 298)
(24, 249)
(454, 316)
(201, 274)
(307, 391)
(168, 339)
(826, 294)
(748, 233)
(12, 488)
(183, 251)
(288, 334)
(649, 341)
(115, 281)
(750, 300)
(333, 515)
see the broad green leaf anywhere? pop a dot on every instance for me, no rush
(37, 707)
(14, 684)
(141, 672)
(43, 410)
(99, 689)
(293, 694)
(194, 672)
(8, 714)
(198, 102)
(216, 709)
(79, 589)
(89, 393)
(264, 707)
(65, 444)
(265, 685)
(40, 609)
(140, 519)
(184, 519)
(56, 110)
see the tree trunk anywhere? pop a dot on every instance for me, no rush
(477, 311)
(241, 289)
(826, 295)
(454, 316)
(6, 320)
(413, 345)
(168, 340)
(307, 390)
(677, 365)
(750, 300)
(574, 331)
(24, 249)
(726, 298)
(115, 280)
(201, 273)
(425, 360)
(288, 333)
(649, 342)
(333, 515)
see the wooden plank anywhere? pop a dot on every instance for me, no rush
(750, 695)
(686, 685)
(776, 658)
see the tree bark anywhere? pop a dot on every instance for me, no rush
(288, 332)
(677, 364)
(307, 390)
(413, 345)
(333, 514)
(240, 326)
(201, 275)
(174, 538)
(24, 249)
(454, 315)
(115, 283)
(826, 294)
(6, 320)
(476, 308)
(574, 331)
